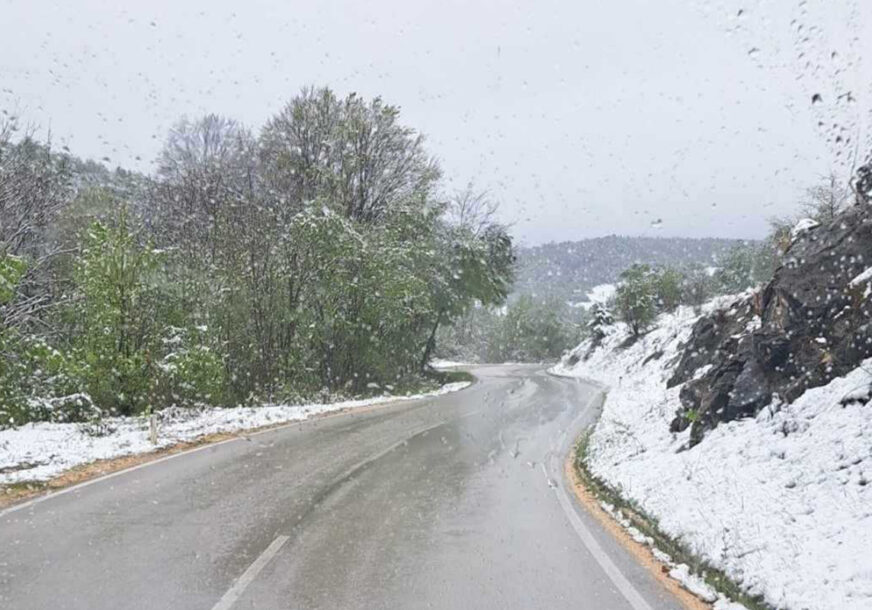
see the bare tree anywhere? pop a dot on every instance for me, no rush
(825, 200)
(298, 149)
(351, 153)
(206, 166)
(472, 210)
(35, 184)
(381, 162)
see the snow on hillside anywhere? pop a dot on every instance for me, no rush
(40, 451)
(598, 294)
(781, 503)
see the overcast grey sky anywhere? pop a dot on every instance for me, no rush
(582, 117)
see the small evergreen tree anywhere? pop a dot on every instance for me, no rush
(600, 318)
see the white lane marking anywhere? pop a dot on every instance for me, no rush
(626, 588)
(238, 588)
(612, 571)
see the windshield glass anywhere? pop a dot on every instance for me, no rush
(435, 304)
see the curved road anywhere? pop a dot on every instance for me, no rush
(452, 502)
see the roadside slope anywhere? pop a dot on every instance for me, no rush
(779, 502)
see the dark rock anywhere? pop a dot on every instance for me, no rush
(712, 336)
(656, 355)
(815, 325)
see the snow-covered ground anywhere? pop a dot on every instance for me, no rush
(439, 363)
(39, 451)
(781, 503)
(601, 293)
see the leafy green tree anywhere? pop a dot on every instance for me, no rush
(116, 312)
(746, 266)
(736, 272)
(635, 298)
(470, 269)
(12, 269)
(668, 283)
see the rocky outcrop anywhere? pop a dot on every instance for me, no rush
(714, 337)
(810, 324)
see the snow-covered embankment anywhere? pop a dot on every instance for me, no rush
(780, 503)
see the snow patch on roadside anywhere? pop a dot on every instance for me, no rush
(438, 363)
(40, 451)
(780, 503)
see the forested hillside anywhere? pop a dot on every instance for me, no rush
(568, 270)
(543, 318)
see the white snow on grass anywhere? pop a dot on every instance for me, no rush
(39, 451)
(781, 503)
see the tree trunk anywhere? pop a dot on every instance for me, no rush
(431, 342)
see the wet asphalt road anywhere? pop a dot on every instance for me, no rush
(452, 502)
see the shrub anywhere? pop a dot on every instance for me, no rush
(635, 298)
(115, 310)
(191, 372)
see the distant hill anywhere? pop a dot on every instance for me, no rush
(568, 270)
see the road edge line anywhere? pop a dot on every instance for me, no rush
(611, 569)
(588, 501)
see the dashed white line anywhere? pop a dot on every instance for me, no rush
(238, 588)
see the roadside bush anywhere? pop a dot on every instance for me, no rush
(75, 408)
(114, 310)
(191, 372)
(35, 380)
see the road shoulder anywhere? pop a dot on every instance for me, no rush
(15, 495)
